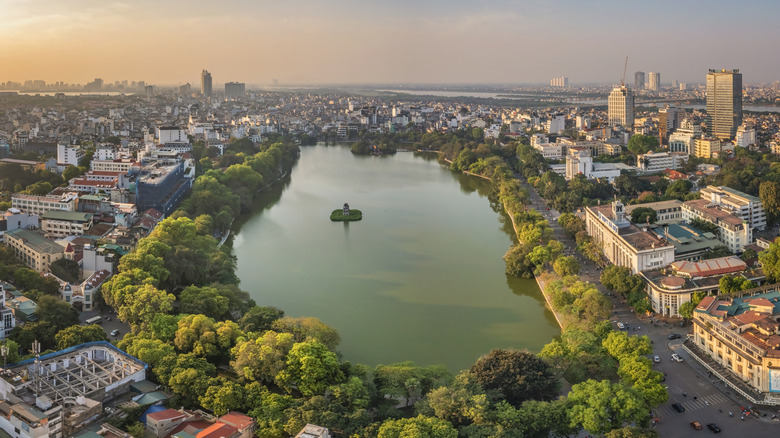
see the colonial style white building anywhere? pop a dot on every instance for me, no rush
(733, 231)
(623, 243)
(746, 207)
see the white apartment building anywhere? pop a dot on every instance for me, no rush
(682, 140)
(746, 207)
(733, 231)
(746, 135)
(660, 161)
(621, 107)
(68, 155)
(541, 143)
(623, 243)
(14, 219)
(120, 165)
(171, 134)
(580, 161)
(40, 204)
(105, 153)
(556, 124)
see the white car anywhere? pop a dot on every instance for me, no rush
(621, 326)
(676, 358)
(115, 332)
(656, 359)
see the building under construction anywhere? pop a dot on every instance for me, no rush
(59, 393)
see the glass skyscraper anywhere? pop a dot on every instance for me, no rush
(724, 103)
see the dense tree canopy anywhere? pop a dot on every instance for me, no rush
(515, 376)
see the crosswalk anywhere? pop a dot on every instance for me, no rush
(715, 400)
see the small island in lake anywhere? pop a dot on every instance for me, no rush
(345, 214)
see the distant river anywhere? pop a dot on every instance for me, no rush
(420, 278)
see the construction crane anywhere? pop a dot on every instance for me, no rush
(625, 66)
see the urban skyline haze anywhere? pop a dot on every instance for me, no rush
(347, 41)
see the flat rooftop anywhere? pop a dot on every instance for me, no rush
(712, 212)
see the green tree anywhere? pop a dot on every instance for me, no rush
(311, 367)
(566, 265)
(600, 407)
(770, 261)
(66, 269)
(769, 192)
(260, 319)
(642, 144)
(515, 376)
(620, 345)
(686, 310)
(642, 215)
(262, 358)
(56, 312)
(203, 300)
(201, 336)
(149, 350)
(631, 432)
(223, 397)
(462, 402)
(79, 334)
(12, 356)
(308, 328)
(417, 427)
(71, 172)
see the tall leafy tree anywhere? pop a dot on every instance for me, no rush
(515, 376)
(311, 368)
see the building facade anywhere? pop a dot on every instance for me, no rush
(724, 103)
(205, 83)
(733, 231)
(742, 334)
(639, 80)
(683, 138)
(659, 161)
(40, 204)
(705, 147)
(36, 251)
(746, 207)
(621, 107)
(653, 81)
(623, 243)
(65, 223)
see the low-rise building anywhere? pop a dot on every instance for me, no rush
(670, 288)
(653, 162)
(313, 431)
(53, 405)
(14, 219)
(36, 251)
(743, 335)
(748, 208)
(733, 231)
(690, 243)
(65, 223)
(40, 204)
(579, 161)
(667, 212)
(623, 243)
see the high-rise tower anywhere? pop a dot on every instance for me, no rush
(724, 103)
(653, 81)
(621, 107)
(639, 80)
(205, 83)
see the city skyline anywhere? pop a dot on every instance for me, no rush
(346, 41)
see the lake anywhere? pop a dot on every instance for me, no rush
(420, 278)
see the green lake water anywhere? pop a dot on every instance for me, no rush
(420, 278)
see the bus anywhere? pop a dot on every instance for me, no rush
(94, 320)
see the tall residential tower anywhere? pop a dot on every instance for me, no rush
(724, 103)
(639, 80)
(205, 83)
(653, 81)
(621, 107)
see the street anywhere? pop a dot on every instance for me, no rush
(108, 326)
(704, 396)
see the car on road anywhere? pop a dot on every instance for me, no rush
(115, 332)
(676, 358)
(656, 359)
(621, 326)
(696, 425)
(713, 427)
(678, 407)
(674, 336)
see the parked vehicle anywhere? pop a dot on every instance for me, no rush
(676, 358)
(674, 336)
(115, 332)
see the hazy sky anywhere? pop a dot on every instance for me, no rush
(399, 41)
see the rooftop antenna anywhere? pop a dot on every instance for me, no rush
(625, 66)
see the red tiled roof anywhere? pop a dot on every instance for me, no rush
(217, 430)
(705, 303)
(236, 419)
(707, 268)
(167, 414)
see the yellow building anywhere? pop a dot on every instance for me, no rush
(34, 250)
(704, 147)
